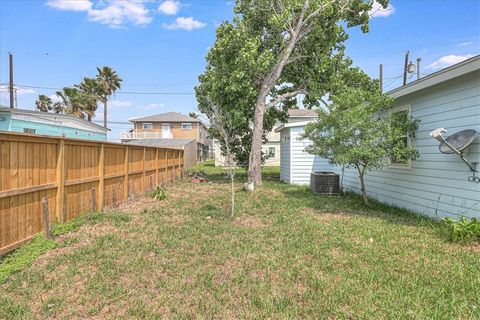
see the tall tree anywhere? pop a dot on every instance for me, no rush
(73, 101)
(109, 82)
(43, 103)
(93, 94)
(360, 130)
(193, 115)
(280, 49)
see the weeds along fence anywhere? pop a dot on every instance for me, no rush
(52, 179)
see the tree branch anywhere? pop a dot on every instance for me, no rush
(285, 96)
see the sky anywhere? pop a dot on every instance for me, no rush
(158, 47)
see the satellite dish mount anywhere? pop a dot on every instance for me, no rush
(457, 143)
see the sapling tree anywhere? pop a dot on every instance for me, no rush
(360, 129)
(220, 124)
(271, 52)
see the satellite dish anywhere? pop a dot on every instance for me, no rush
(460, 141)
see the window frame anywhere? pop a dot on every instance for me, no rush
(398, 165)
(147, 123)
(187, 124)
(270, 155)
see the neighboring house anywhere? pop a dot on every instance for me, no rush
(272, 147)
(189, 146)
(170, 125)
(52, 124)
(435, 184)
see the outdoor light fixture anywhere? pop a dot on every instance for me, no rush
(411, 67)
(457, 143)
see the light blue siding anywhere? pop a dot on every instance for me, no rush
(285, 155)
(436, 184)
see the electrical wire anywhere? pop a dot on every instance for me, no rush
(117, 92)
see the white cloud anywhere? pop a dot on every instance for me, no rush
(170, 7)
(70, 5)
(185, 23)
(4, 91)
(117, 104)
(151, 106)
(378, 11)
(449, 60)
(463, 44)
(114, 13)
(54, 98)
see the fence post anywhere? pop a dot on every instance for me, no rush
(125, 184)
(46, 218)
(60, 172)
(101, 176)
(180, 163)
(143, 170)
(157, 182)
(166, 165)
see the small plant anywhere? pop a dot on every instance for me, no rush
(463, 230)
(159, 194)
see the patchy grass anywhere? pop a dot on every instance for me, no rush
(287, 254)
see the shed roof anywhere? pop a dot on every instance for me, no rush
(172, 143)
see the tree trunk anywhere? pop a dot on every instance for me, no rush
(361, 175)
(89, 117)
(105, 114)
(255, 157)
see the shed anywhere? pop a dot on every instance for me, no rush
(189, 147)
(435, 184)
(295, 163)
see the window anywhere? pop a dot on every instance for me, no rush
(271, 152)
(399, 118)
(28, 130)
(147, 126)
(186, 126)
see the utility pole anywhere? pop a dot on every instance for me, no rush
(10, 84)
(405, 68)
(418, 67)
(381, 78)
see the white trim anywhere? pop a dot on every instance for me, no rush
(147, 123)
(457, 70)
(187, 124)
(291, 125)
(408, 165)
(290, 155)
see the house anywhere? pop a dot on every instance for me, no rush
(272, 146)
(170, 129)
(435, 184)
(52, 124)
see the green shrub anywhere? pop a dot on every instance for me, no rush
(463, 230)
(159, 194)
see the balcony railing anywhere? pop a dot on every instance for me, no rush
(144, 135)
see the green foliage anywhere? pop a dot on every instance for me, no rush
(358, 129)
(249, 48)
(159, 194)
(463, 230)
(24, 256)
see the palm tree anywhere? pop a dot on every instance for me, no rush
(43, 103)
(109, 82)
(73, 101)
(91, 88)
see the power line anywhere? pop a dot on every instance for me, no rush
(118, 92)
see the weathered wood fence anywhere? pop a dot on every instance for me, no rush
(49, 179)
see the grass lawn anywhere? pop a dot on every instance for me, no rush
(286, 254)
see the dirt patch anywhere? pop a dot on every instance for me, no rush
(138, 205)
(250, 222)
(327, 216)
(174, 219)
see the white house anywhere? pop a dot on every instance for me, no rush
(435, 184)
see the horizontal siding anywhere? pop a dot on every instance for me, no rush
(285, 155)
(304, 163)
(436, 184)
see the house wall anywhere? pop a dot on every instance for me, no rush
(272, 161)
(303, 163)
(285, 155)
(17, 125)
(198, 131)
(435, 184)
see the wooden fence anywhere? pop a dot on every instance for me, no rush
(53, 179)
